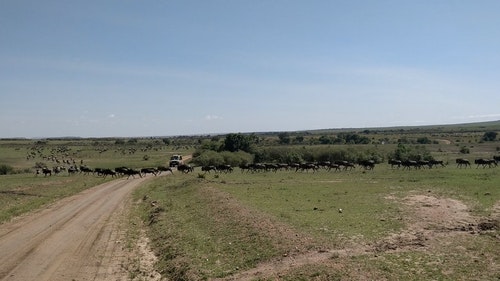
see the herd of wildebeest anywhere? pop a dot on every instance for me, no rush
(267, 167)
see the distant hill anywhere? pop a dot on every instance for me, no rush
(462, 127)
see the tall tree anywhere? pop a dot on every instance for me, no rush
(489, 136)
(236, 142)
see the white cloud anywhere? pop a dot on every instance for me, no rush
(212, 117)
(479, 116)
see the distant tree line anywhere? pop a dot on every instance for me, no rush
(236, 149)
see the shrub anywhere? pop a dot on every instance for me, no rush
(404, 152)
(6, 169)
(464, 150)
(489, 136)
(210, 157)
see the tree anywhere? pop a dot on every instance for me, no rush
(325, 139)
(284, 138)
(299, 139)
(424, 140)
(489, 136)
(236, 142)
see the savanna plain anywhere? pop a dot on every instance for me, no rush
(386, 222)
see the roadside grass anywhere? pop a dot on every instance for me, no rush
(218, 225)
(23, 193)
(196, 237)
(201, 227)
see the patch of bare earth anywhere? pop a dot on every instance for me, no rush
(81, 237)
(141, 261)
(430, 223)
(428, 219)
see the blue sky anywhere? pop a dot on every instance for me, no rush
(133, 68)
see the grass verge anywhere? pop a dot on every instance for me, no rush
(219, 225)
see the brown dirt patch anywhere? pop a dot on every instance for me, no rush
(430, 223)
(428, 219)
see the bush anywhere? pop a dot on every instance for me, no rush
(214, 158)
(489, 136)
(404, 152)
(464, 150)
(6, 169)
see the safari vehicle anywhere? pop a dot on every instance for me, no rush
(175, 160)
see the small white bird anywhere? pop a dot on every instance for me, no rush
(340, 210)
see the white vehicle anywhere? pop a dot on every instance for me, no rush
(175, 160)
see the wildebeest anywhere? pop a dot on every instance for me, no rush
(395, 162)
(307, 166)
(225, 168)
(46, 171)
(107, 172)
(346, 164)
(496, 158)
(146, 171)
(408, 164)
(164, 169)
(462, 162)
(208, 168)
(185, 168)
(131, 172)
(85, 170)
(72, 170)
(485, 162)
(334, 166)
(434, 162)
(367, 164)
(58, 169)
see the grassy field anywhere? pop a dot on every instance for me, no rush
(385, 224)
(220, 225)
(23, 191)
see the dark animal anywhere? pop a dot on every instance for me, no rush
(72, 170)
(244, 167)
(345, 165)
(207, 169)
(423, 163)
(408, 164)
(485, 162)
(108, 172)
(225, 168)
(121, 170)
(85, 170)
(307, 166)
(496, 158)
(164, 169)
(394, 163)
(146, 171)
(185, 168)
(272, 167)
(334, 166)
(367, 164)
(132, 172)
(46, 171)
(461, 162)
(433, 163)
(58, 169)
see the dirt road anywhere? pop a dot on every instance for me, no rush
(77, 238)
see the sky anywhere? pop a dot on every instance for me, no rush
(130, 68)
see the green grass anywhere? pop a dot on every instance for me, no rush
(199, 237)
(203, 228)
(195, 238)
(23, 192)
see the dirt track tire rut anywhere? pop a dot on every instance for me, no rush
(73, 239)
